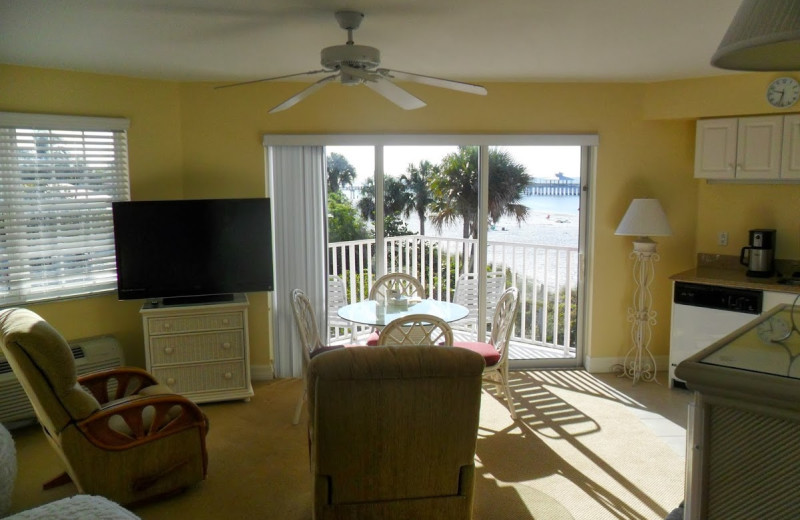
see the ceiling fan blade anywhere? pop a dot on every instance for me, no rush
(395, 94)
(292, 101)
(434, 82)
(310, 72)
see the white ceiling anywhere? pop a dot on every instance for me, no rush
(478, 40)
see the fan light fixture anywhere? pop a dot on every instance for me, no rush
(763, 36)
(353, 64)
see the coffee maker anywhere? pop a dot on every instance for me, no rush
(759, 256)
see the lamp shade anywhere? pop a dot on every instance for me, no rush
(644, 218)
(764, 35)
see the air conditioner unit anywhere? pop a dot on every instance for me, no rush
(91, 355)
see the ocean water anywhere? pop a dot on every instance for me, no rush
(552, 221)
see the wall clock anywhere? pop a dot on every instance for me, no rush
(783, 92)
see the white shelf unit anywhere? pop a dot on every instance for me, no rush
(201, 351)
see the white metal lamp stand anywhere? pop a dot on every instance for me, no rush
(643, 219)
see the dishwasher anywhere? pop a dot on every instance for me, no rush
(702, 314)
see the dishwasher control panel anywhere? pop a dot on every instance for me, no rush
(748, 301)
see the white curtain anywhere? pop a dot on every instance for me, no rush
(297, 189)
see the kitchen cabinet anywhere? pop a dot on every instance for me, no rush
(760, 148)
(200, 351)
(790, 159)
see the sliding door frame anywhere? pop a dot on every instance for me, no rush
(587, 142)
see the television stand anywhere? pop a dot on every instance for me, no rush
(203, 298)
(199, 351)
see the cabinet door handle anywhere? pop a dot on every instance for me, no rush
(168, 350)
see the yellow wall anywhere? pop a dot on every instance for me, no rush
(189, 140)
(154, 139)
(222, 132)
(734, 208)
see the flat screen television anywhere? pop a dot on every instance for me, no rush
(190, 251)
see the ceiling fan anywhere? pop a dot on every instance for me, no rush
(359, 64)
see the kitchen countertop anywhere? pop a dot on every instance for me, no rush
(721, 272)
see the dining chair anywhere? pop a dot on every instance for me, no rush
(495, 352)
(403, 284)
(417, 329)
(466, 294)
(337, 298)
(310, 342)
(400, 283)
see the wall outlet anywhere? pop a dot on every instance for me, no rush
(722, 238)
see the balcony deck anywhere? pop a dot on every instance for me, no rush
(546, 277)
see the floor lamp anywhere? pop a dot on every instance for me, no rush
(644, 219)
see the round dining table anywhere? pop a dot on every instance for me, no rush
(370, 312)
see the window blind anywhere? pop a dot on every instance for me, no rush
(58, 178)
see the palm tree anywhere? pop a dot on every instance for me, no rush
(455, 189)
(340, 172)
(395, 199)
(416, 181)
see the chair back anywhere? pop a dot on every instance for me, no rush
(503, 322)
(417, 329)
(306, 322)
(393, 431)
(466, 294)
(400, 283)
(43, 363)
(337, 298)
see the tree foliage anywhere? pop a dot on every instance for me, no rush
(344, 222)
(455, 190)
(416, 182)
(340, 172)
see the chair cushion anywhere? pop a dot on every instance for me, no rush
(489, 353)
(373, 338)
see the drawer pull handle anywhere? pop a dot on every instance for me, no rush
(168, 350)
(167, 326)
(226, 321)
(226, 345)
(228, 375)
(170, 381)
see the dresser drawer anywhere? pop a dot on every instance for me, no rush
(203, 378)
(191, 348)
(195, 322)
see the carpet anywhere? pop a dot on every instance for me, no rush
(578, 452)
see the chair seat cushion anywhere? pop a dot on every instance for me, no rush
(489, 353)
(373, 338)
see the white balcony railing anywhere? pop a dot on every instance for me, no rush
(546, 277)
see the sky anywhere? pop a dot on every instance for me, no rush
(539, 161)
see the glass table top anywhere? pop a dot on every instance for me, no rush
(370, 312)
(770, 344)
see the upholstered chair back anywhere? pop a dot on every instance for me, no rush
(393, 432)
(42, 360)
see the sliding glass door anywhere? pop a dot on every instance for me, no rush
(504, 212)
